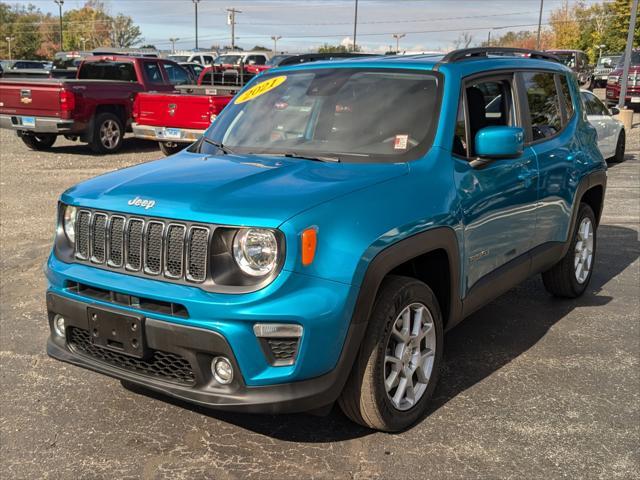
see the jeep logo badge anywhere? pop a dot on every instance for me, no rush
(25, 95)
(139, 202)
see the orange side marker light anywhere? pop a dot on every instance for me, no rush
(309, 243)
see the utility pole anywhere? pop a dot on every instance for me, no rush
(539, 25)
(398, 36)
(9, 40)
(627, 56)
(489, 39)
(195, 3)
(173, 44)
(275, 39)
(231, 20)
(60, 3)
(355, 26)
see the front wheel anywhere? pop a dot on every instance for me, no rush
(39, 141)
(169, 148)
(570, 276)
(108, 133)
(397, 368)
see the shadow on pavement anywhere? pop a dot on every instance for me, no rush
(129, 145)
(482, 344)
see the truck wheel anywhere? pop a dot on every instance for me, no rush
(40, 141)
(107, 133)
(397, 368)
(169, 148)
(619, 156)
(570, 276)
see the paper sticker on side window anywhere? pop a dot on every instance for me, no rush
(261, 88)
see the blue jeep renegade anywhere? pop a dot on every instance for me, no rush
(333, 222)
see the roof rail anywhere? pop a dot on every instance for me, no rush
(467, 53)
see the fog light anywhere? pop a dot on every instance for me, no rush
(58, 325)
(222, 370)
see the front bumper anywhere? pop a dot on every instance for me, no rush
(166, 134)
(199, 346)
(41, 124)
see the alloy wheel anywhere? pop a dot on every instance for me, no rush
(409, 357)
(109, 134)
(583, 251)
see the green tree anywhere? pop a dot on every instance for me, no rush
(615, 33)
(260, 48)
(327, 48)
(124, 32)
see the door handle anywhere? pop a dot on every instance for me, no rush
(527, 177)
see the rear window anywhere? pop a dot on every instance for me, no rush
(544, 104)
(105, 70)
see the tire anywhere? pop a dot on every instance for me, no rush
(40, 141)
(564, 279)
(365, 399)
(620, 146)
(169, 148)
(108, 133)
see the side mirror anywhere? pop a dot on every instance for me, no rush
(499, 142)
(251, 62)
(614, 111)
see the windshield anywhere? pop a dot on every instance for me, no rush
(276, 59)
(608, 61)
(227, 59)
(635, 59)
(566, 58)
(347, 114)
(178, 58)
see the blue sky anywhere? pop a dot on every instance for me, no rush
(304, 25)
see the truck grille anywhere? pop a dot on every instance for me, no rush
(143, 246)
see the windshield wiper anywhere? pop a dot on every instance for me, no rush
(218, 145)
(316, 158)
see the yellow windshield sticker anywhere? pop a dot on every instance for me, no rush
(259, 89)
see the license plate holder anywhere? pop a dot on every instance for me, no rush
(28, 121)
(173, 133)
(117, 332)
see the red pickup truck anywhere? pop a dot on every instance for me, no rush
(614, 82)
(95, 107)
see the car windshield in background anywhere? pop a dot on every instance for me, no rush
(567, 59)
(608, 61)
(276, 59)
(179, 58)
(365, 115)
(102, 70)
(227, 60)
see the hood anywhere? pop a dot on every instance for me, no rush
(261, 191)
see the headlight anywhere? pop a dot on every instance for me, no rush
(69, 222)
(612, 79)
(255, 251)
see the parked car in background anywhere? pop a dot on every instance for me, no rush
(29, 64)
(611, 134)
(297, 58)
(194, 69)
(606, 64)
(633, 85)
(316, 243)
(95, 107)
(203, 58)
(578, 61)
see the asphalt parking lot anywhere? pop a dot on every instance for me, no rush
(533, 387)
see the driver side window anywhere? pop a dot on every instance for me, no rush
(484, 103)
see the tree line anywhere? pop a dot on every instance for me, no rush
(36, 35)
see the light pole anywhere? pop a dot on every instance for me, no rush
(539, 25)
(60, 3)
(173, 44)
(231, 20)
(627, 58)
(195, 3)
(355, 26)
(9, 40)
(275, 39)
(84, 44)
(600, 48)
(398, 36)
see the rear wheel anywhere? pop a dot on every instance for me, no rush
(620, 146)
(40, 141)
(169, 148)
(107, 133)
(570, 276)
(396, 370)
